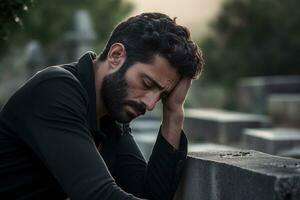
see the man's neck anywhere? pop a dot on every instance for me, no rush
(100, 70)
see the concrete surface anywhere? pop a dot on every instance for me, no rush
(239, 175)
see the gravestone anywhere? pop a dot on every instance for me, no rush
(284, 109)
(239, 175)
(82, 38)
(253, 92)
(218, 126)
(204, 147)
(35, 59)
(272, 141)
(145, 132)
(292, 153)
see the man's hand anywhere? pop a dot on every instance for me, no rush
(173, 112)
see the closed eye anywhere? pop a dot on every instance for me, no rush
(147, 84)
(150, 83)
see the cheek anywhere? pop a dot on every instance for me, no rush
(135, 89)
(135, 93)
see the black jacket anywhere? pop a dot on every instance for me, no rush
(49, 145)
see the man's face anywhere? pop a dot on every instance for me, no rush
(128, 95)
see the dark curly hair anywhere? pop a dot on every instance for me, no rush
(150, 34)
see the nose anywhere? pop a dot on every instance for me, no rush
(150, 99)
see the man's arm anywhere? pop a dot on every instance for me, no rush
(173, 112)
(158, 179)
(54, 126)
(170, 150)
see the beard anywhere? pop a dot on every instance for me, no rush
(114, 92)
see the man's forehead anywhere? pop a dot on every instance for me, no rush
(160, 71)
(163, 82)
(166, 73)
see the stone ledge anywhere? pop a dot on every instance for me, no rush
(236, 175)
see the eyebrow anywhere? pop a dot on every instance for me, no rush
(156, 83)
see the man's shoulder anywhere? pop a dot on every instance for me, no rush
(54, 72)
(54, 77)
(52, 84)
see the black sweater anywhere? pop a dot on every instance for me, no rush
(49, 142)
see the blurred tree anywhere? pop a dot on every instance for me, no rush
(47, 20)
(253, 38)
(11, 17)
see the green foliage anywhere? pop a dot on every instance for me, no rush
(11, 17)
(46, 21)
(253, 38)
(49, 19)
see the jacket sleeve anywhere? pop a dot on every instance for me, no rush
(55, 128)
(155, 180)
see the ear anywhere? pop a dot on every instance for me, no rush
(116, 56)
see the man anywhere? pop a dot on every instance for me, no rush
(65, 132)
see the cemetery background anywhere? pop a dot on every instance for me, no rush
(248, 96)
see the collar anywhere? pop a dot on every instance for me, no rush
(86, 76)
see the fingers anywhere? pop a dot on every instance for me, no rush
(174, 102)
(180, 91)
(186, 83)
(183, 86)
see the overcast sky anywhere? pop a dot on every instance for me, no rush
(195, 14)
